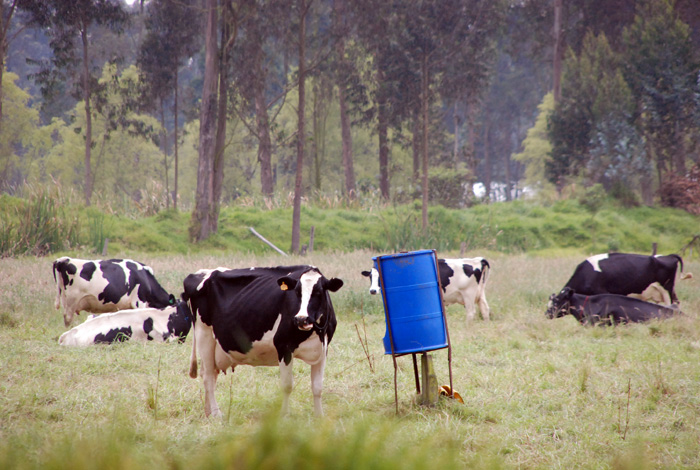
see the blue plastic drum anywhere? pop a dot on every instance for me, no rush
(412, 302)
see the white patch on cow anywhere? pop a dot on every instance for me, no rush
(374, 282)
(207, 273)
(596, 259)
(308, 280)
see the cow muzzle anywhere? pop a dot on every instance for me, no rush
(374, 291)
(303, 323)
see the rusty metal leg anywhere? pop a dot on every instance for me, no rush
(415, 373)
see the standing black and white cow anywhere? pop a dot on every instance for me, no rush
(605, 308)
(463, 282)
(641, 276)
(261, 317)
(143, 324)
(100, 286)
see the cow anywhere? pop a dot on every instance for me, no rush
(463, 282)
(170, 324)
(605, 309)
(100, 286)
(647, 277)
(260, 316)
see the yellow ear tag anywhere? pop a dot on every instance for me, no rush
(283, 286)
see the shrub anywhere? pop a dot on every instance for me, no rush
(682, 192)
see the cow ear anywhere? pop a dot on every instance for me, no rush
(286, 283)
(366, 273)
(334, 284)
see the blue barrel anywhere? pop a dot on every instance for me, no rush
(412, 302)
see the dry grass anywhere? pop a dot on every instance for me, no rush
(538, 393)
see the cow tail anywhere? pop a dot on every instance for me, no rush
(685, 276)
(59, 281)
(485, 268)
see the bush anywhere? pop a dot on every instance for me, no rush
(682, 192)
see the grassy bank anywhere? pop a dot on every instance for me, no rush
(538, 393)
(45, 224)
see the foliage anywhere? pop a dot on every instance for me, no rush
(662, 69)
(536, 146)
(17, 134)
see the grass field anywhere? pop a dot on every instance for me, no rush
(538, 393)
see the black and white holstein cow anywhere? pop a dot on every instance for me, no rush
(641, 276)
(605, 309)
(140, 324)
(100, 286)
(261, 317)
(463, 282)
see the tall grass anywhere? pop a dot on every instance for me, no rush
(37, 225)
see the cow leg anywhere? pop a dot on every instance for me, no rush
(206, 348)
(317, 384)
(286, 382)
(484, 307)
(470, 309)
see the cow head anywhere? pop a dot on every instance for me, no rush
(559, 304)
(311, 292)
(374, 287)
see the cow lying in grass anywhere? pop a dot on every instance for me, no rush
(605, 308)
(144, 324)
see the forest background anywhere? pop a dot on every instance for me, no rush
(191, 104)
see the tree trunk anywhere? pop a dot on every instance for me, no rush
(416, 146)
(487, 159)
(424, 102)
(176, 143)
(263, 128)
(88, 117)
(457, 121)
(218, 163)
(558, 53)
(164, 139)
(346, 134)
(507, 176)
(296, 214)
(200, 225)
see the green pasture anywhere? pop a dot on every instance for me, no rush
(537, 393)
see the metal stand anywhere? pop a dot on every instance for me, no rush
(430, 387)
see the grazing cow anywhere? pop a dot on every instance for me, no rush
(261, 317)
(143, 324)
(99, 286)
(648, 277)
(463, 282)
(605, 308)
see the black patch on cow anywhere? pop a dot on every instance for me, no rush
(88, 270)
(179, 322)
(445, 273)
(116, 282)
(115, 335)
(148, 327)
(64, 268)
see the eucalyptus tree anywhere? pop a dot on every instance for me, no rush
(260, 73)
(172, 28)
(69, 24)
(662, 69)
(437, 35)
